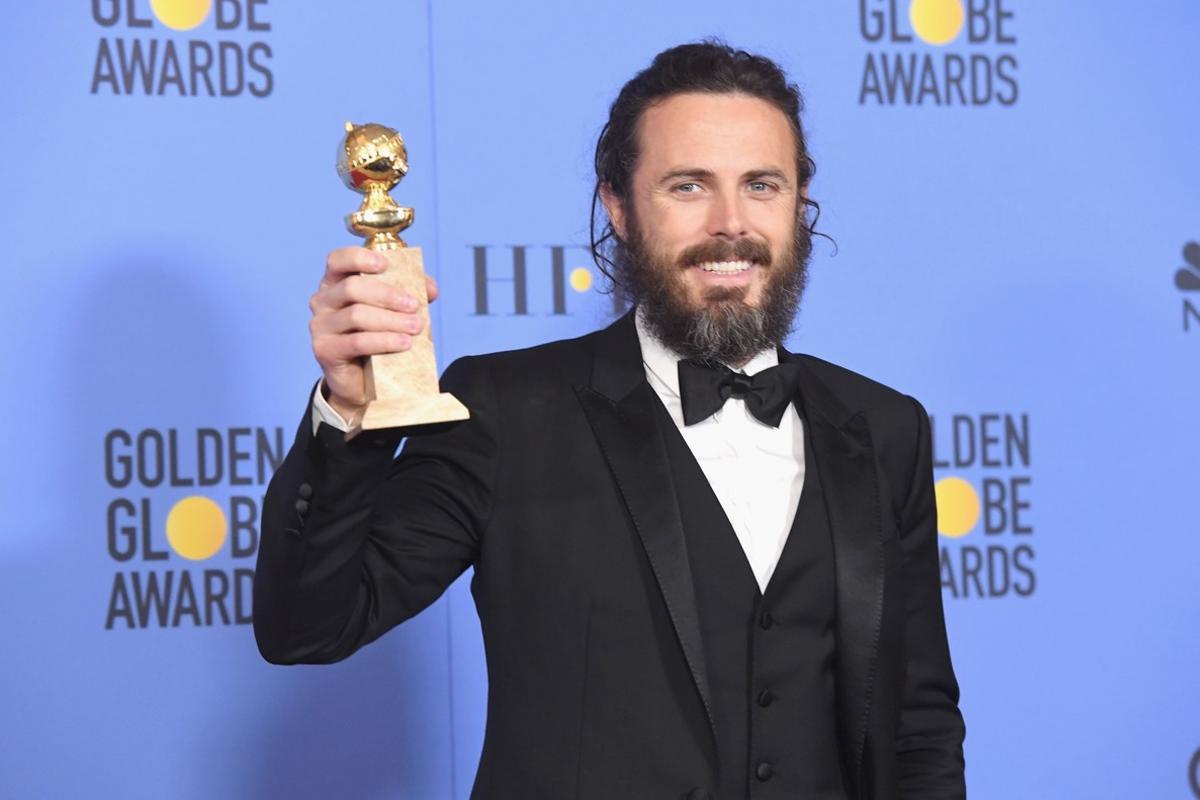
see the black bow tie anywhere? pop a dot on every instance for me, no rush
(704, 388)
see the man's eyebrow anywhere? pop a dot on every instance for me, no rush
(695, 173)
(772, 173)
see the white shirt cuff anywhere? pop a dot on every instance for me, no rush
(323, 412)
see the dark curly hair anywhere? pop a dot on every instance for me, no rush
(708, 66)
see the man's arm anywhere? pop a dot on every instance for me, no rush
(929, 741)
(355, 542)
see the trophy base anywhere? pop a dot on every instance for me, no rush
(405, 412)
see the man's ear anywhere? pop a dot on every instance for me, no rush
(615, 208)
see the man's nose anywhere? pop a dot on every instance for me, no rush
(726, 216)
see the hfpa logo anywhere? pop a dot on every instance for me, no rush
(531, 280)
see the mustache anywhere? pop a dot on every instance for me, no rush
(755, 251)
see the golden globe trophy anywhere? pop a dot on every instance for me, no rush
(401, 388)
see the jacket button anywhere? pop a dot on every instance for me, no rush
(305, 491)
(766, 620)
(764, 771)
(302, 507)
(766, 697)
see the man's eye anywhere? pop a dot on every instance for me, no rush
(760, 186)
(688, 188)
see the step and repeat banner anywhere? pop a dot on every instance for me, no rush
(1014, 191)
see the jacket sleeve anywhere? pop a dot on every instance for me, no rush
(929, 740)
(355, 541)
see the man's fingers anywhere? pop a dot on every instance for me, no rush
(350, 261)
(362, 289)
(431, 288)
(363, 317)
(350, 346)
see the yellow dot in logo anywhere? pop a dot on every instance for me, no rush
(196, 528)
(181, 15)
(957, 507)
(936, 21)
(581, 279)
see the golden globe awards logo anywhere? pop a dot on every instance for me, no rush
(182, 525)
(938, 53)
(984, 505)
(134, 58)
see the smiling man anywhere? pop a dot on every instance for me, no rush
(719, 277)
(705, 567)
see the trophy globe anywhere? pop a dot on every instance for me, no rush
(401, 388)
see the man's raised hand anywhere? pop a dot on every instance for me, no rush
(355, 316)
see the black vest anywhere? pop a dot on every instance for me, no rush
(770, 658)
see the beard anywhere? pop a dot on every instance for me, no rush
(721, 327)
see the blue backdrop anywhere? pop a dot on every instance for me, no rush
(1012, 209)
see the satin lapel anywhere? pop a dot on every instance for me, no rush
(619, 406)
(845, 460)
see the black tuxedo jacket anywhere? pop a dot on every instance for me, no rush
(559, 493)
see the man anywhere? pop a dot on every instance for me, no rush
(705, 567)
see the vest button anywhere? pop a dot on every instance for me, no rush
(766, 697)
(766, 620)
(764, 771)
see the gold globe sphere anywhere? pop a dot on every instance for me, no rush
(371, 156)
(372, 160)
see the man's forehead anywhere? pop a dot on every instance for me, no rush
(715, 132)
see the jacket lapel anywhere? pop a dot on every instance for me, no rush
(845, 460)
(619, 404)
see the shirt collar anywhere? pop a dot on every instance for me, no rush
(661, 362)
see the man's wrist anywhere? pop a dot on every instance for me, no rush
(324, 410)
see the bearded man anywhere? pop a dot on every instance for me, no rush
(705, 567)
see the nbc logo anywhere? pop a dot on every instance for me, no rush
(1187, 279)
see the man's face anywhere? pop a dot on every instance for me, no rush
(710, 222)
(715, 172)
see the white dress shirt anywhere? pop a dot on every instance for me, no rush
(323, 412)
(756, 471)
